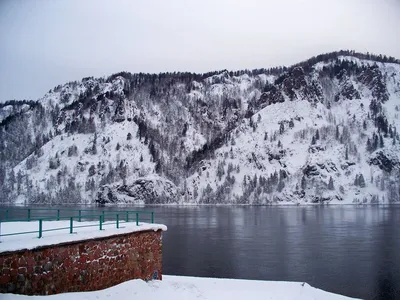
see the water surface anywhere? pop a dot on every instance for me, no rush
(351, 250)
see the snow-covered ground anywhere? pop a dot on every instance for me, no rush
(31, 240)
(187, 288)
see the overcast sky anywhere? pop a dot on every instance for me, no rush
(44, 43)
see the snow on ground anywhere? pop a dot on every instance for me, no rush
(31, 240)
(187, 288)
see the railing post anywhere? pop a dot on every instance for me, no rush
(80, 214)
(29, 214)
(137, 219)
(40, 228)
(101, 223)
(58, 215)
(152, 217)
(71, 225)
(117, 220)
(127, 216)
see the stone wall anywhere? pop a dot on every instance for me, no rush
(82, 266)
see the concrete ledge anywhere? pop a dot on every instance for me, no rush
(31, 241)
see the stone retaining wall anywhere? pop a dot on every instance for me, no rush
(82, 266)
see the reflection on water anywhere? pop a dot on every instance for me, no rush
(351, 250)
(386, 266)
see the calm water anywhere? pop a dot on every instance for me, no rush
(354, 251)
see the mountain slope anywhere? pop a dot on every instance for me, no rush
(324, 130)
(310, 145)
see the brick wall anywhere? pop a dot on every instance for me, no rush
(82, 266)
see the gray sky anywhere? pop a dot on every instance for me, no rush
(49, 42)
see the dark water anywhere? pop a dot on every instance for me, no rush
(354, 251)
(350, 250)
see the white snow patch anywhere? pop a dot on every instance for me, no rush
(187, 288)
(31, 240)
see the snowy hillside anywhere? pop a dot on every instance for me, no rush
(312, 146)
(324, 130)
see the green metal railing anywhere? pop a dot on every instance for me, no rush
(77, 215)
(9, 213)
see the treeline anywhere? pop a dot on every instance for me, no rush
(18, 102)
(307, 64)
(138, 79)
(15, 115)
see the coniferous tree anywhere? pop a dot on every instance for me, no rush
(92, 170)
(2, 175)
(369, 146)
(254, 182)
(91, 127)
(19, 181)
(54, 162)
(356, 182)
(252, 124)
(303, 183)
(72, 151)
(94, 146)
(390, 131)
(361, 181)
(381, 143)
(281, 128)
(330, 184)
(382, 184)
(313, 140)
(281, 185)
(375, 143)
(220, 171)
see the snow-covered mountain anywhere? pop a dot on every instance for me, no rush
(324, 130)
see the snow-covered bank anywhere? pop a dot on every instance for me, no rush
(187, 288)
(31, 240)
